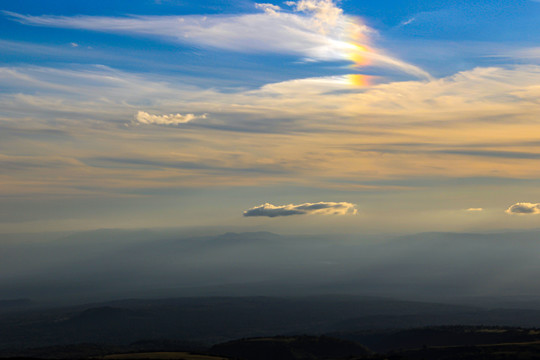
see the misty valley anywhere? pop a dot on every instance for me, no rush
(167, 294)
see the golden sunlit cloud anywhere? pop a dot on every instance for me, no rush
(465, 125)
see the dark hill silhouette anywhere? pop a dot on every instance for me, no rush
(440, 336)
(105, 315)
(290, 348)
(14, 304)
(212, 320)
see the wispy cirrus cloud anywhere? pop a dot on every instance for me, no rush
(320, 208)
(313, 29)
(524, 208)
(265, 32)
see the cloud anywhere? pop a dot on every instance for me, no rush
(171, 119)
(494, 153)
(144, 163)
(325, 12)
(271, 31)
(320, 129)
(315, 29)
(320, 208)
(524, 209)
(268, 8)
(407, 22)
(475, 209)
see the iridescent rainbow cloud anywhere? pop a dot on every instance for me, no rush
(352, 43)
(358, 53)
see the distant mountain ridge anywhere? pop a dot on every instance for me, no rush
(444, 267)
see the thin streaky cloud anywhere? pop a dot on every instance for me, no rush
(407, 22)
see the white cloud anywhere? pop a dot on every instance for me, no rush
(325, 12)
(407, 22)
(171, 119)
(320, 208)
(530, 54)
(318, 31)
(263, 32)
(268, 8)
(524, 208)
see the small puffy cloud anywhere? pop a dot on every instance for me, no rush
(268, 8)
(171, 119)
(475, 209)
(320, 208)
(524, 209)
(325, 12)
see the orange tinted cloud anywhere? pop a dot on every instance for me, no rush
(359, 80)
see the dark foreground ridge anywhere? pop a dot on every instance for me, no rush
(213, 320)
(316, 327)
(291, 348)
(506, 343)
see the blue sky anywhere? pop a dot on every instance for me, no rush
(351, 115)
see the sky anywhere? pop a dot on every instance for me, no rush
(307, 116)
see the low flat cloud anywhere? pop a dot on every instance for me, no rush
(475, 209)
(171, 119)
(320, 208)
(524, 208)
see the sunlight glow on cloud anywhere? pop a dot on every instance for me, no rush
(359, 80)
(524, 208)
(475, 209)
(171, 119)
(320, 208)
(319, 130)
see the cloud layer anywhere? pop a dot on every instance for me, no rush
(524, 208)
(320, 208)
(322, 132)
